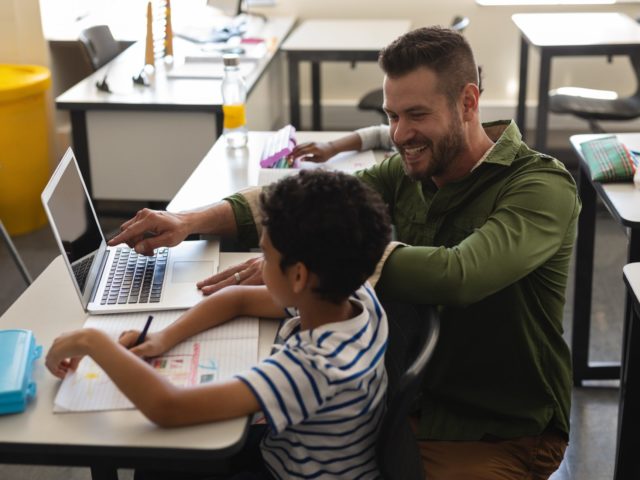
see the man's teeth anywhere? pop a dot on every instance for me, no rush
(414, 150)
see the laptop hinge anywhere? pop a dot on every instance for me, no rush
(94, 290)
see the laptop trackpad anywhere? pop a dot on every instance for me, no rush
(191, 271)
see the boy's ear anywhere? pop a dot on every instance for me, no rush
(298, 277)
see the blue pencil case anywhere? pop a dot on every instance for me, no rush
(18, 351)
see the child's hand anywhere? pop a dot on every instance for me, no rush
(154, 344)
(67, 351)
(314, 151)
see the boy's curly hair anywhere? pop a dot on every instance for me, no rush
(333, 223)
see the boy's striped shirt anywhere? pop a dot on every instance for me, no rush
(323, 395)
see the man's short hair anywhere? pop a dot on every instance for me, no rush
(442, 50)
(334, 224)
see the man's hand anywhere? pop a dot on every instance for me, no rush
(247, 273)
(314, 151)
(151, 229)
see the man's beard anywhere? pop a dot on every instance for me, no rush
(442, 153)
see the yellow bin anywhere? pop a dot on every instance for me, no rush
(24, 145)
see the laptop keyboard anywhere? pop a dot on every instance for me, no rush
(81, 270)
(135, 278)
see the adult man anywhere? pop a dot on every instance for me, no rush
(491, 225)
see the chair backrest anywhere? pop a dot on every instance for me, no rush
(99, 45)
(413, 334)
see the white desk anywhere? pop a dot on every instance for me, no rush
(103, 441)
(623, 202)
(318, 41)
(141, 143)
(567, 34)
(224, 172)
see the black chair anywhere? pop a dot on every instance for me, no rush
(14, 254)
(413, 334)
(99, 45)
(590, 105)
(373, 100)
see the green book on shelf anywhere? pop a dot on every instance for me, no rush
(609, 160)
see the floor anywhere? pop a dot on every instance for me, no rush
(591, 449)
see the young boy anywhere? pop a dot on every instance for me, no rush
(322, 393)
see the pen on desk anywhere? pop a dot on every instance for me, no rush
(143, 333)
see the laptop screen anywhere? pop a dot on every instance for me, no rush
(73, 219)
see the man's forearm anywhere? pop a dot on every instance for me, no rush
(215, 219)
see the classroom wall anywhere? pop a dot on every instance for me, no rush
(492, 35)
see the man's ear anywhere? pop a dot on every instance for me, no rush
(470, 98)
(298, 277)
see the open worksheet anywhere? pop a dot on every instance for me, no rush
(212, 355)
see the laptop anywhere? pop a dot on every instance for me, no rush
(117, 279)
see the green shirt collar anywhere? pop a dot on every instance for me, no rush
(507, 138)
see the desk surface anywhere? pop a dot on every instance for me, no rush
(49, 307)
(632, 274)
(224, 172)
(624, 198)
(344, 35)
(166, 93)
(578, 29)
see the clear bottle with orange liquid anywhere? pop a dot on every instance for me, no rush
(234, 96)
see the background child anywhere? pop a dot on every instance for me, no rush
(322, 393)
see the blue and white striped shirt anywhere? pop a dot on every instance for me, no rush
(323, 395)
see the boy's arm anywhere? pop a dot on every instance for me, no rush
(224, 305)
(159, 400)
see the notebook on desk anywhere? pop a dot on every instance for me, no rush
(117, 279)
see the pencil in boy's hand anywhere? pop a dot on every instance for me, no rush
(143, 333)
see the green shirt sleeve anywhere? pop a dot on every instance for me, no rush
(534, 217)
(247, 231)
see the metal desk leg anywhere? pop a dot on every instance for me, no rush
(81, 145)
(626, 464)
(15, 255)
(542, 116)
(294, 90)
(104, 473)
(582, 368)
(315, 96)
(522, 93)
(583, 278)
(633, 255)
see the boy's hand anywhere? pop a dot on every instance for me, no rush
(154, 344)
(67, 350)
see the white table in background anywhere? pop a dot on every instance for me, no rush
(318, 41)
(141, 143)
(562, 35)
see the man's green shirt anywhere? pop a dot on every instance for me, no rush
(493, 250)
